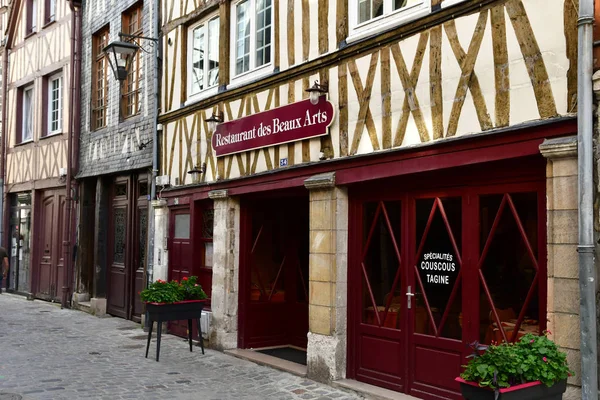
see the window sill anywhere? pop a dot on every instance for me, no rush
(450, 3)
(388, 22)
(251, 76)
(30, 34)
(52, 134)
(204, 94)
(48, 23)
(24, 143)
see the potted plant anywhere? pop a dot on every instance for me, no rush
(532, 368)
(172, 301)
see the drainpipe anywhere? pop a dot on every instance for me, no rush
(151, 222)
(3, 147)
(585, 248)
(67, 261)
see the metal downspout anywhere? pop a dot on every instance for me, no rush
(585, 248)
(3, 148)
(151, 222)
(67, 262)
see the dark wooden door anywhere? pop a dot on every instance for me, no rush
(49, 273)
(119, 268)
(275, 273)
(128, 240)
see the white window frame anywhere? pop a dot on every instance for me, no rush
(388, 20)
(254, 72)
(206, 90)
(24, 121)
(52, 79)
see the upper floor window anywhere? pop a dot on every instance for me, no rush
(130, 90)
(203, 56)
(372, 16)
(27, 116)
(54, 98)
(31, 24)
(253, 34)
(50, 11)
(99, 79)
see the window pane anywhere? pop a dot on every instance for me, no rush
(242, 38)
(198, 60)
(364, 10)
(182, 226)
(27, 115)
(213, 53)
(55, 105)
(208, 254)
(263, 32)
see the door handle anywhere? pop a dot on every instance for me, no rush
(409, 296)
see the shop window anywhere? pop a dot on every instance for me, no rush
(120, 234)
(130, 89)
(99, 79)
(438, 300)
(252, 44)
(182, 226)
(206, 239)
(382, 284)
(19, 273)
(368, 17)
(509, 266)
(203, 58)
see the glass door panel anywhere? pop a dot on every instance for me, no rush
(381, 260)
(508, 267)
(437, 297)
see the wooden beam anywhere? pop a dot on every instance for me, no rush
(435, 78)
(323, 12)
(224, 42)
(501, 66)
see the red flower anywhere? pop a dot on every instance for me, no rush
(175, 280)
(185, 278)
(545, 359)
(532, 340)
(195, 285)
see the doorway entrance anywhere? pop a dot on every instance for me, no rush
(274, 273)
(50, 260)
(127, 244)
(433, 270)
(19, 275)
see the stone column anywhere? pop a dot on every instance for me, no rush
(160, 269)
(328, 283)
(563, 270)
(226, 266)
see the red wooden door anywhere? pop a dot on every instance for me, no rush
(431, 272)
(434, 294)
(49, 277)
(274, 274)
(180, 256)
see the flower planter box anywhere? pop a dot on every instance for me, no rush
(527, 391)
(163, 312)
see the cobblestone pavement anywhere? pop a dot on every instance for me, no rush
(49, 353)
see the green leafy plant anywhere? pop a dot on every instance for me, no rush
(532, 358)
(174, 291)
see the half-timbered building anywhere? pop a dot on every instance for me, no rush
(117, 127)
(38, 117)
(419, 197)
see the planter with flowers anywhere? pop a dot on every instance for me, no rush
(173, 301)
(531, 369)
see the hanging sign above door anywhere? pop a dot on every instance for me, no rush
(290, 123)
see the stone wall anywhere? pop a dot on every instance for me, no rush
(563, 270)
(226, 266)
(328, 279)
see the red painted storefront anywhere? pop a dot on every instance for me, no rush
(468, 204)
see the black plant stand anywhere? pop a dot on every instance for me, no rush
(158, 312)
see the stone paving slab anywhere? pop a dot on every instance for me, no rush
(54, 354)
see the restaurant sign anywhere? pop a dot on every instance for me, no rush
(290, 123)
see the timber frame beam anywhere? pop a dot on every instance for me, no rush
(333, 59)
